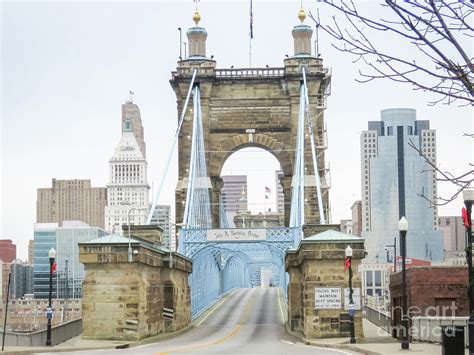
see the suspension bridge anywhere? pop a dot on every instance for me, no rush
(220, 112)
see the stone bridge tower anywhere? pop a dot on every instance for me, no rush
(253, 107)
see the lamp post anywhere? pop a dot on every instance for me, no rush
(394, 246)
(403, 228)
(468, 196)
(49, 312)
(351, 300)
(129, 240)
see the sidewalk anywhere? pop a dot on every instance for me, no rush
(377, 342)
(73, 344)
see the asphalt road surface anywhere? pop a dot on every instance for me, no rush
(249, 321)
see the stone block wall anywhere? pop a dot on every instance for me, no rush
(124, 301)
(321, 264)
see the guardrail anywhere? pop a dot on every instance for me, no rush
(59, 334)
(250, 73)
(381, 320)
(429, 328)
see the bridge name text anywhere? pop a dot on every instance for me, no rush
(224, 235)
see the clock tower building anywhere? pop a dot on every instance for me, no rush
(128, 189)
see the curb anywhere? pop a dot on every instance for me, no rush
(329, 346)
(63, 350)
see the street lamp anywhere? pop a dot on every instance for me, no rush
(394, 246)
(129, 241)
(403, 228)
(468, 196)
(49, 312)
(351, 300)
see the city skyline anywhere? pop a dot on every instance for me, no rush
(66, 75)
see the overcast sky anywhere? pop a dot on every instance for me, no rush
(68, 66)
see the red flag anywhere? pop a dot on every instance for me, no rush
(465, 218)
(53, 268)
(347, 265)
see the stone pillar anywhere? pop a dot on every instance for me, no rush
(217, 184)
(124, 300)
(318, 263)
(286, 185)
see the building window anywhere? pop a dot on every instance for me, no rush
(410, 130)
(390, 131)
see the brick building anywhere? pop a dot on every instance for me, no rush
(7, 250)
(431, 291)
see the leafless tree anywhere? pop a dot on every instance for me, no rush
(461, 181)
(439, 29)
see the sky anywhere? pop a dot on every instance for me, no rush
(68, 66)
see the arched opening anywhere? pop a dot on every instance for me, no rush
(252, 195)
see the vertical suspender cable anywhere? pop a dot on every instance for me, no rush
(170, 155)
(322, 217)
(192, 164)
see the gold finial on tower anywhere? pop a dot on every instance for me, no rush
(196, 17)
(302, 15)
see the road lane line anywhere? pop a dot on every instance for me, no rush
(212, 310)
(243, 319)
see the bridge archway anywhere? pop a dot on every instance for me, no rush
(251, 193)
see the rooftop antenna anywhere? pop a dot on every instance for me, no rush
(130, 96)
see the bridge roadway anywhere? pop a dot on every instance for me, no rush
(248, 321)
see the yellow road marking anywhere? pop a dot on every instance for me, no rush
(231, 334)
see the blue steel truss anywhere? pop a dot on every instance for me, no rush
(219, 267)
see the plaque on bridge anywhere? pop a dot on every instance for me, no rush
(355, 299)
(327, 298)
(236, 234)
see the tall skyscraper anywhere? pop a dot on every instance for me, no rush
(280, 199)
(71, 200)
(127, 190)
(394, 175)
(45, 239)
(7, 250)
(162, 217)
(231, 194)
(131, 113)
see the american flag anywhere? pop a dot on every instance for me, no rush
(267, 189)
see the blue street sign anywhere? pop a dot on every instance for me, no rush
(49, 313)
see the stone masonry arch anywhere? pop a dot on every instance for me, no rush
(252, 107)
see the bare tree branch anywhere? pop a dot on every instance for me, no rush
(435, 28)
(460, 181)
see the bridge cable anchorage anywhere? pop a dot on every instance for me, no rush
(170, 155)
(197, 212)
(322, 217)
